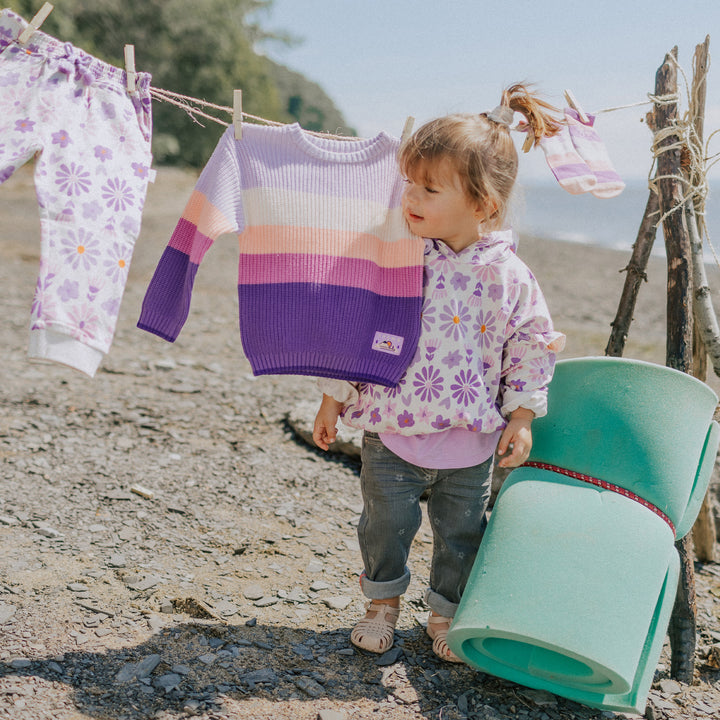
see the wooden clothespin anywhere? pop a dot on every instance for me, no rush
(407, 130)
(575, 105)
(130, 67)
(529, 141)
(237, 113)
(35, 23)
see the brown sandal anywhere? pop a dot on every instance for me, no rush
(438, 636)
(376, 634)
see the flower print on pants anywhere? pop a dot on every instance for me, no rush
(92, 143)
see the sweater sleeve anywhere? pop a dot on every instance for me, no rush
(529, 354)
(214, 208)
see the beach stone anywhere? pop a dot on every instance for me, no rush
(254, 592)
(309, 686)
(327, 714)
(338, 602)
(168, 682)
(266, 676)
(6, 612)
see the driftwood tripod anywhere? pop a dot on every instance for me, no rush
(687, 326)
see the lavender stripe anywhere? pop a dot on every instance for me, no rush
(563, 172)
(275, 160)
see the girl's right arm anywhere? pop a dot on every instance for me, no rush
(325, 427)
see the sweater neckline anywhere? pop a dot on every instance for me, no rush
(338, 151)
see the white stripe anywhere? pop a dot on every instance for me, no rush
(270, 206)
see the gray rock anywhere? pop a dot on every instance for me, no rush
(390, 657)
(254, 592)
(6, 612)
(168, 682)
(327, 714)
(309, 686)
(138, 670)
(338, 602)
(264, 675)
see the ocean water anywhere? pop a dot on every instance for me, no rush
(546, 210)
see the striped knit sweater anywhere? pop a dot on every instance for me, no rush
(330, 278)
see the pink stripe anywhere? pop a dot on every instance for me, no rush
(329, 270)
(568, 158)
(189, 240)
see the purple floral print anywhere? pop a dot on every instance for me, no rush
(118, 194)
(428, 383)
(73, 179)
(465, 388)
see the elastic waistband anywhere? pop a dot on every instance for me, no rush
(41, 43)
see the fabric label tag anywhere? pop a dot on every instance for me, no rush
(152, 175)
(387, 343)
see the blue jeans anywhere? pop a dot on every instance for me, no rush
(391, 516)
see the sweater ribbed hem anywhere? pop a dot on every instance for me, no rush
(317, 365)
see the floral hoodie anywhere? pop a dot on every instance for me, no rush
(487, 346)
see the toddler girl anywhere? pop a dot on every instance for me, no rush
(479, 376)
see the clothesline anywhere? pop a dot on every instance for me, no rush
(186, 102)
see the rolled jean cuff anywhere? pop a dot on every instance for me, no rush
(442, 606)
(384, 590)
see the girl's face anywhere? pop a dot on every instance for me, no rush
(436, 206)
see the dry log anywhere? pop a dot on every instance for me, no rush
(678, 352)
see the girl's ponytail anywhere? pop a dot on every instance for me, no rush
(536, 111)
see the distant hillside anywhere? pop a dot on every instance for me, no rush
(304, 101)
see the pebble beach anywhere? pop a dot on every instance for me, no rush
(171, 547)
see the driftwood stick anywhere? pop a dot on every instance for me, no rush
(706, 335)
(678, 351)
(678, 354)
(635, 276)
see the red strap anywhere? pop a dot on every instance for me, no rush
(605, 485)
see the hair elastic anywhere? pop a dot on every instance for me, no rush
(502, 115)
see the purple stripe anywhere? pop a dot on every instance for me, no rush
(326, 331)
(607, 176)
(327, 270)
(563, 172)
(167, 301)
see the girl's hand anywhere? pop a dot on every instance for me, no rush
(325, 427)
(517, 432)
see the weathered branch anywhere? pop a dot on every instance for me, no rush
(702, 306)
(678, 352)
(635, 276)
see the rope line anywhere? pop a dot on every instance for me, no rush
(186, 102)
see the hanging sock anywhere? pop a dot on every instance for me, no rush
(569, 169)
(592, 150)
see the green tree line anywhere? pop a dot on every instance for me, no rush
(201, 48)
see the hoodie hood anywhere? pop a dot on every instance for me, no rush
(493, 247)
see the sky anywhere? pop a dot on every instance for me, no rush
(384, 60)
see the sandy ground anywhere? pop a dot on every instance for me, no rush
(229, 589)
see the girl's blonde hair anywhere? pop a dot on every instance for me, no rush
(480, 149)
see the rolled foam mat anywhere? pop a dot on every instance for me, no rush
(570, 592)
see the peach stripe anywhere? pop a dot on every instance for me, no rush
(208, 219)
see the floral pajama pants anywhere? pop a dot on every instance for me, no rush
(91, 143)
